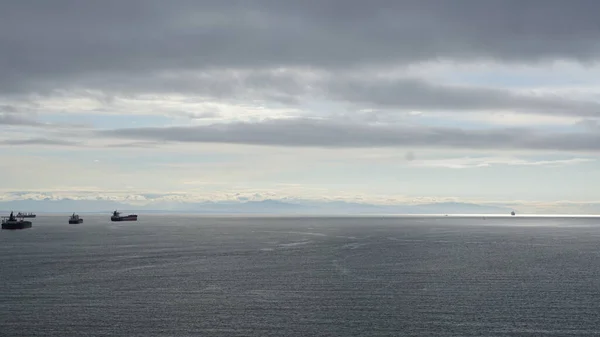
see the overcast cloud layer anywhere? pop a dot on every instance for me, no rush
(357, 55)
(66, 37)
(313, 133)
(113, 77)
(66, 40)
(102, 44)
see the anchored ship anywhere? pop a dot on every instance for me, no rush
(25, 215)
(118, 217)
(11, 222)
(75, 219)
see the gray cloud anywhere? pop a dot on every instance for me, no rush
(39, 141)
(323, 133)
(469, 162)
(18, 120)
(590, 124)
(4, 108)
(198, 115)
(25, 120)
(413, 94)
(43, 45)
(141, 144)
(366, 91)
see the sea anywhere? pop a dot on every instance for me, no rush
(191, 275)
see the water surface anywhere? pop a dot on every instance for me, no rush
(235, 276)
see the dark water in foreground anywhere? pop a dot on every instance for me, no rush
(193, 276)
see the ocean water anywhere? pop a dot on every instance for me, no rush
(235, 276)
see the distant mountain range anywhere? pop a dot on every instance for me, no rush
(249, 207)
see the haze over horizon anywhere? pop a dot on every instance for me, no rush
(495, 104)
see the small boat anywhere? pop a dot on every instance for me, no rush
(512, 213)
(118, 217)
(11, 222)
(75, 219)
(26, 215)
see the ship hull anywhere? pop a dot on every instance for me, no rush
(124, 218)
(78, 221)
(10, 225)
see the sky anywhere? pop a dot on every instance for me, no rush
(374, 101)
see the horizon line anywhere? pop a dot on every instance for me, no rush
(275, 214)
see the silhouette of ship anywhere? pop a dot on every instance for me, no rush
(11, 222)
(26, 215)
(75, 219)
(118, 217)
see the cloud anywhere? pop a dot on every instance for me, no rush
(43, 46)
(6, 108)
(198, 115)
(325, 133)
(590, 124)
(414, 94)
(217, 94)
(162, 200)
(12, 119)
(333, 32)
(135, 145)
(352, 75)
(25, 120)
(469, 162)
(362, 89)
(267, 53)
(39, 141)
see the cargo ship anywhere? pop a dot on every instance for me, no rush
(25, 215)
(118, 217)
(75, 219)
(11, 222)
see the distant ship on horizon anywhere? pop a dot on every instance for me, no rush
(118, 217)
(75, 219)
(25, 215)
(11, 222)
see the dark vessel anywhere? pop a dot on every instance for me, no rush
(75, 219)
(512, 213)
(12, 223)
(118, 217)
(26, 215)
